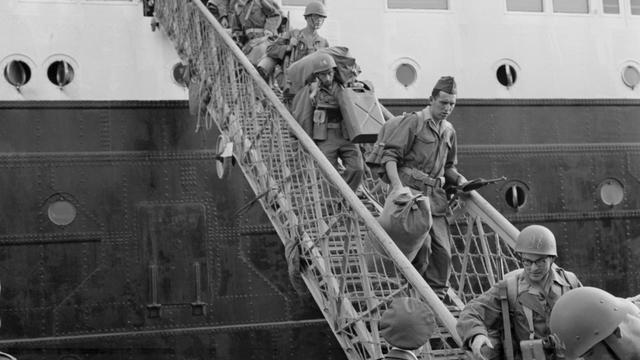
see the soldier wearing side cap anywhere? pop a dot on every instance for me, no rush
(406, 326)
(421, 153)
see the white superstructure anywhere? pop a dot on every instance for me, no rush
(576, 49)
(109, 44)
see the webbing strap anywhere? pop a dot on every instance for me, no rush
(506, 321)
(528, 313)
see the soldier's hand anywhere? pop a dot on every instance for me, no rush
(395, 186)
(476, 345)
(224, 22)
(461, 180)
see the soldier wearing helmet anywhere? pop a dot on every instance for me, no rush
(592, 324)
(298, 43)
(253, 23)
(316, 108)
(527, 295)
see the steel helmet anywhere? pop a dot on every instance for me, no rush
(323, 62)
(536, 239)
(315, 8)
(585, 316)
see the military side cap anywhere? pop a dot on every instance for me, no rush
(407, 324)
(446, 84)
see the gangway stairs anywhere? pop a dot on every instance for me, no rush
(321, 222)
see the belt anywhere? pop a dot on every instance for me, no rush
(254, 31)
(421, 181)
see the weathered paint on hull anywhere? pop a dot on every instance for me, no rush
(157, 264)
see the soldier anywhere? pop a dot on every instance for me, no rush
(595, 325)
(254, 19)
(316, 108)
(420, 152)
(220, 10)
(406, 326)
(296, 43)
(527, 295)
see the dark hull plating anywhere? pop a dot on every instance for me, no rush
(157, 263)
(160, 262)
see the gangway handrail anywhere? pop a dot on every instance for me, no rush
(399, 259)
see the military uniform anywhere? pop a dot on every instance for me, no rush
(253, 17)
(336, 145)
(426, 155)
(483, 315)
(304, 43)
(220, 9)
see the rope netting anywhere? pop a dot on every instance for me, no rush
(322, 223)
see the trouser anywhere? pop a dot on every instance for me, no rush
(337, 147)
(433, 260)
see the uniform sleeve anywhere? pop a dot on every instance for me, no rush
(273, 14)
(302, 109)
(278, 50)
(223, 7)
(451, 173)
(480, 315)
(398, 140)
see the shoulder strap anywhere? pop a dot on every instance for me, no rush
(571, 278)
(511, 280)
(420, 116)
(506, 321)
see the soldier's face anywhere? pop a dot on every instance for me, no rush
(442, 105)
(325, 77)
(314, 21)
(535, 266)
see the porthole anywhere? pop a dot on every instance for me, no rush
(60, 73)
(631, 76)
(406, 74)
(515, 194)
(611, 192)
(61, 212)
(17, 73)
(179, 74)
(507, 74)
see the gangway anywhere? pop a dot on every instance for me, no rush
(320, 221)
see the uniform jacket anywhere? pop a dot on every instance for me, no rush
(304, 104)
(306, 44)
(252, 14)
(224, 10)
(433, 149)
(417, 142)
(483, 315)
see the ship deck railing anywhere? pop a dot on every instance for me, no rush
(317, 216)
